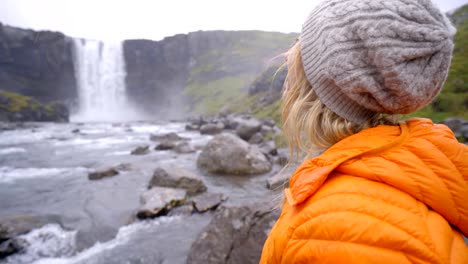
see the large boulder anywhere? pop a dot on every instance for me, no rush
(228, 154)
(176, 177)
(246, 128)
(235, 235)
(212, 129)
(159, 201)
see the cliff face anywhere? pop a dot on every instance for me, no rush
(37, 64)
(191, 73)
(199, 72)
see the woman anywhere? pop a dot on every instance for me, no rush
(381, 191)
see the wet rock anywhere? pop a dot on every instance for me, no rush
(176, 177)
(9, 247)
(207, 201)
(166, 145)
(212, 129)
(184, 148)
(12, 227)
(159, 201)
(141, 150)
(186, 209)
(102, 173)
(235, 235)
(124, 167)
(228, 154)
(257, 138)
(192, 127)
(75, 131)
(166, 137)
(246, 128)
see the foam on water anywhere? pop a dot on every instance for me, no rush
(7, 151)
(9, 174)
(49, 241)
(51, 244)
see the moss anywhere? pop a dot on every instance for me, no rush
(16, 102)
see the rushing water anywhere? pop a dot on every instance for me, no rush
(100, 73)
(43, 173)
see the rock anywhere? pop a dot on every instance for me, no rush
(207, 201)
(212, 129)
(455, 124)
(184, 148)
(12, 227)
(192, 127)
(266, 130)
(225, 111)
(159, 201)
(124, 167)
(246, 128)
(142, 150)
(166, 137)
(186, 209)
(228, 154)
(9, 247)
(102, 173)
(283, 157)
(167, 145)
(176, 177)
(281, 179)
(464, 130)
(75, 131)
(269, 122)
(257, 138)
(268, 148)
(235, 235)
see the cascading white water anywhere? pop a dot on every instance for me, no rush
(100, 74)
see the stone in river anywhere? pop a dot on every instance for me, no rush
(207, 201)
(141, 150)
(159, 201)
(102, 173)
(176, 177)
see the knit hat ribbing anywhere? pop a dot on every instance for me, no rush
(384, 56)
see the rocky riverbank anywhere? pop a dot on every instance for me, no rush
(110, 185)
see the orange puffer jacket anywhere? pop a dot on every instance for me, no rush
(390, 194)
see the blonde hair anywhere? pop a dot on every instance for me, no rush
(308, 125)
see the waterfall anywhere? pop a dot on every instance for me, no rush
(100, 74)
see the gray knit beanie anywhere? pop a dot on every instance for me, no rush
(384, 56)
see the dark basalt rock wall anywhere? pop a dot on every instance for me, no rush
(37, 64)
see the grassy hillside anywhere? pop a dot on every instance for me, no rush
(222, 76)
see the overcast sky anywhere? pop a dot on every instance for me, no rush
(156, 19)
